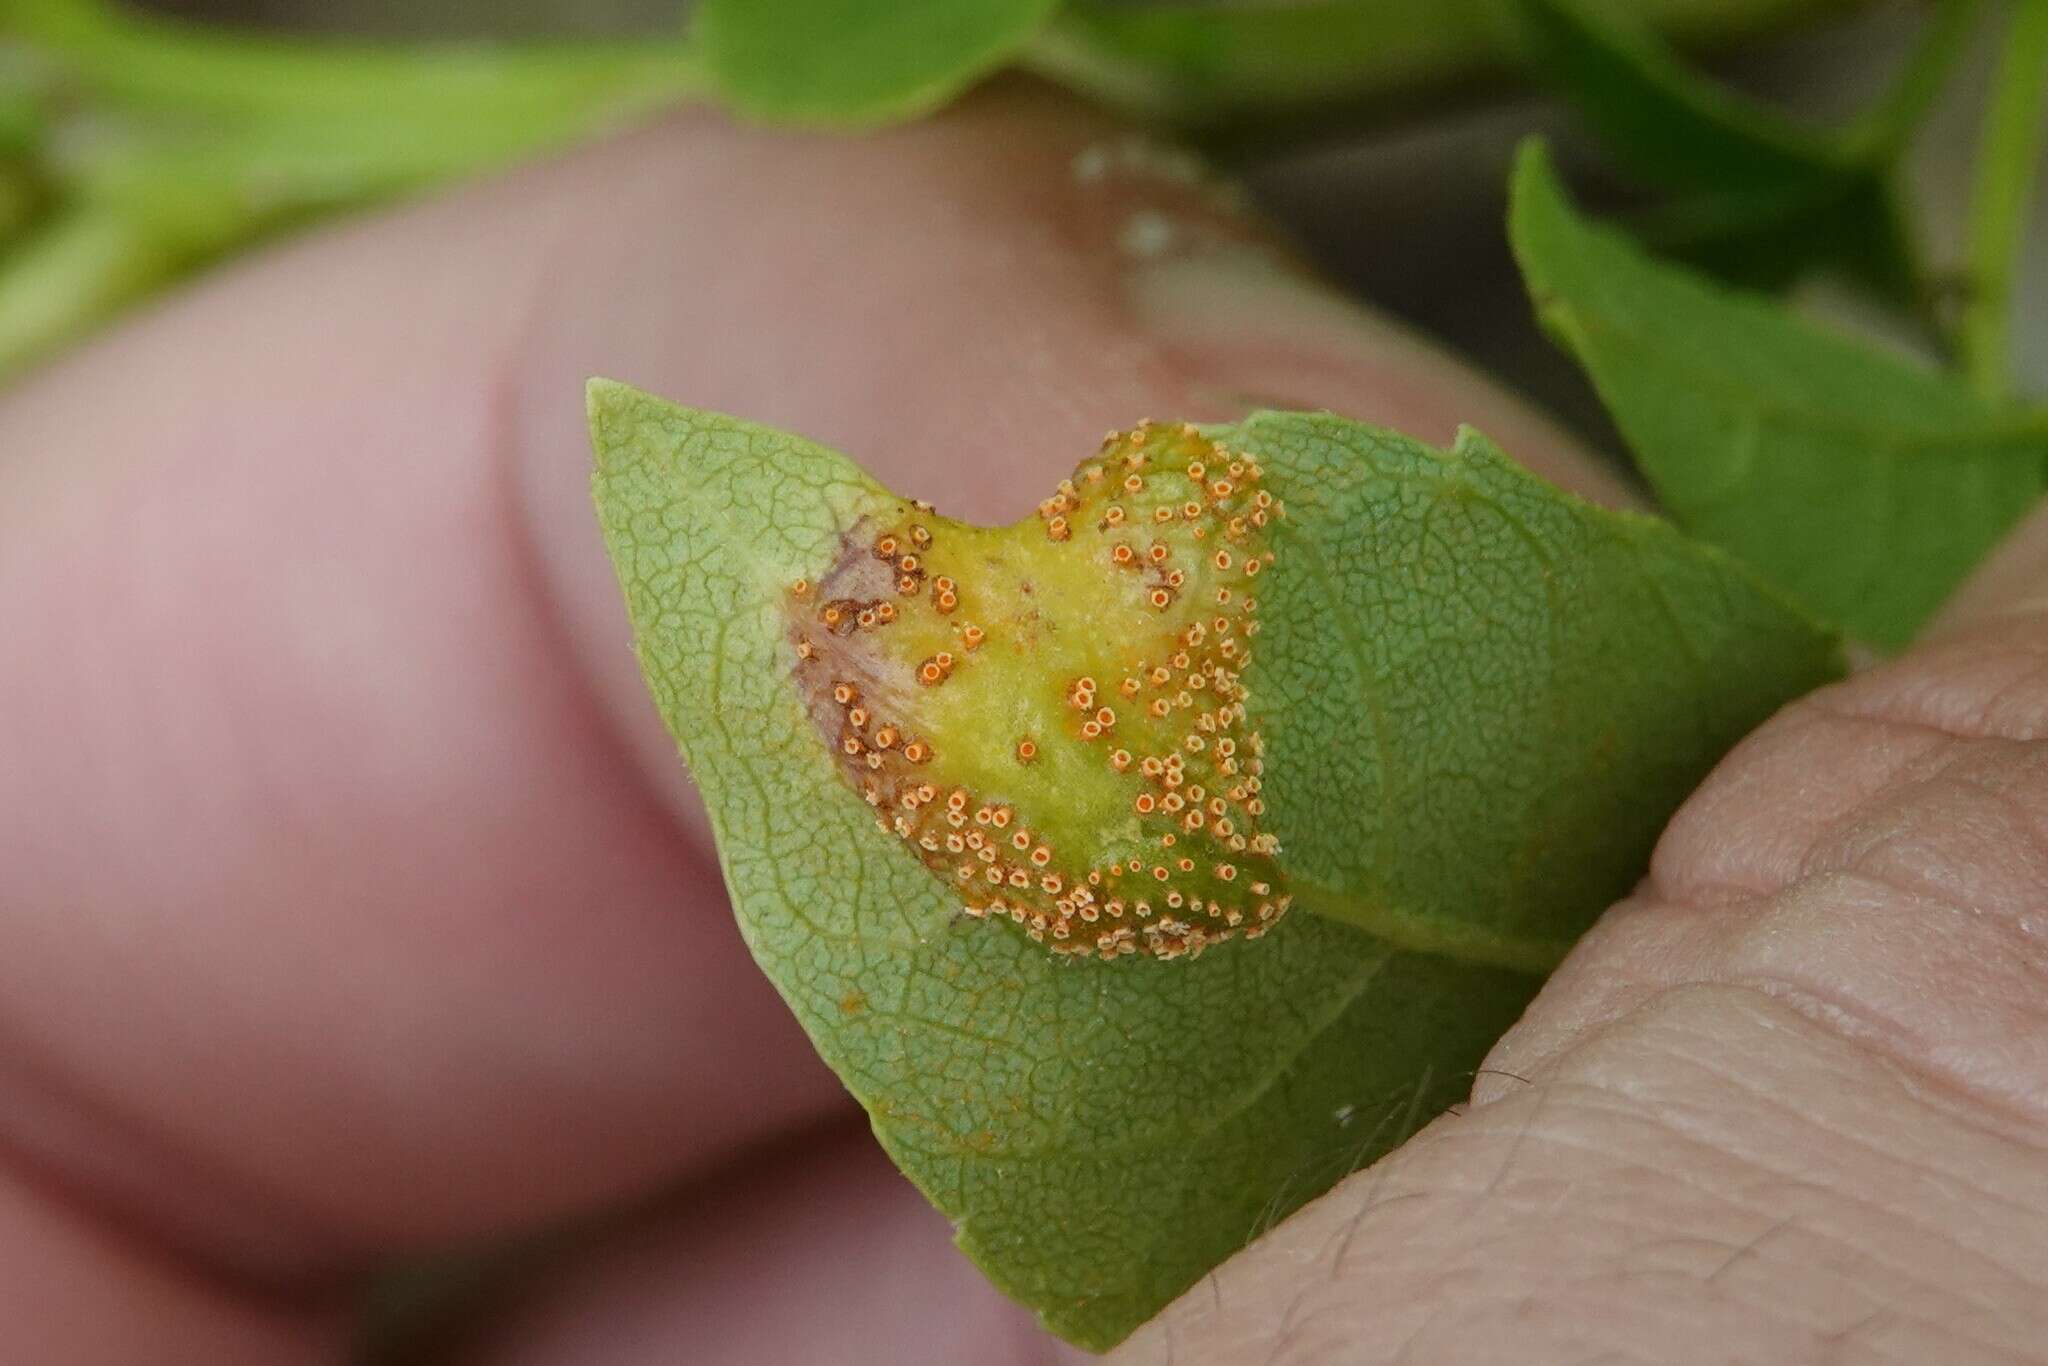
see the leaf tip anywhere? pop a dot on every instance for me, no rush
(604, 399)
(1533, 184)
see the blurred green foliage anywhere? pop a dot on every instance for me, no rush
(135, 148)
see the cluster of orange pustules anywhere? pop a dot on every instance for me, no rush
(1189, 520)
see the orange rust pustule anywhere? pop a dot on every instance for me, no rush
(1174, 527)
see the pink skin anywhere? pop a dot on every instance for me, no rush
(352, 900)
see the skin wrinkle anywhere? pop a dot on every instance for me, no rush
(1770, 1188)
(1963, 686)
(1707, 873)
(1835, 1007)
(1872, 843)
(1876, 1024)
(1863, 833)
(1839, 1139)
(1856, 1254)
(1583, 1101)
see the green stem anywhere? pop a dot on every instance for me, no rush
(291, 166)
(2008, 157)
(81, 265)
(19, 198)
(177, 142)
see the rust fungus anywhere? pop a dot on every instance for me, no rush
(1079, 763)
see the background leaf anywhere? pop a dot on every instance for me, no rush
(1670, 125)
(1103, 1133)
(1865, 485)
(1758, 197)
(1229, 68)
(849, 62)
(1770, 240)
(151, 146)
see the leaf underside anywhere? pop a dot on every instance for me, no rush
(1103, 1133)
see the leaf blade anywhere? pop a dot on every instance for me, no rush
(845, 63)
(1749, 423)
(1671, 125)
(1543, 682)
(1102, 1133)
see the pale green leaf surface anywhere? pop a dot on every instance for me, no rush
(1482, 697)
(847, 62)
(1102, 1133)
(1864, 485)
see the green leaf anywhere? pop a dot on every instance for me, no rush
(1506, 690)
(78, 264)
(1477, 696)
(1760, 198)
(1770, 240)
(850, 63)
(1671, 125)
(1209, 66)
(1863, 484)
(161, 145)
(1221, 68)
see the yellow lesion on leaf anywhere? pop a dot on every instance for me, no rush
(1054, 716)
